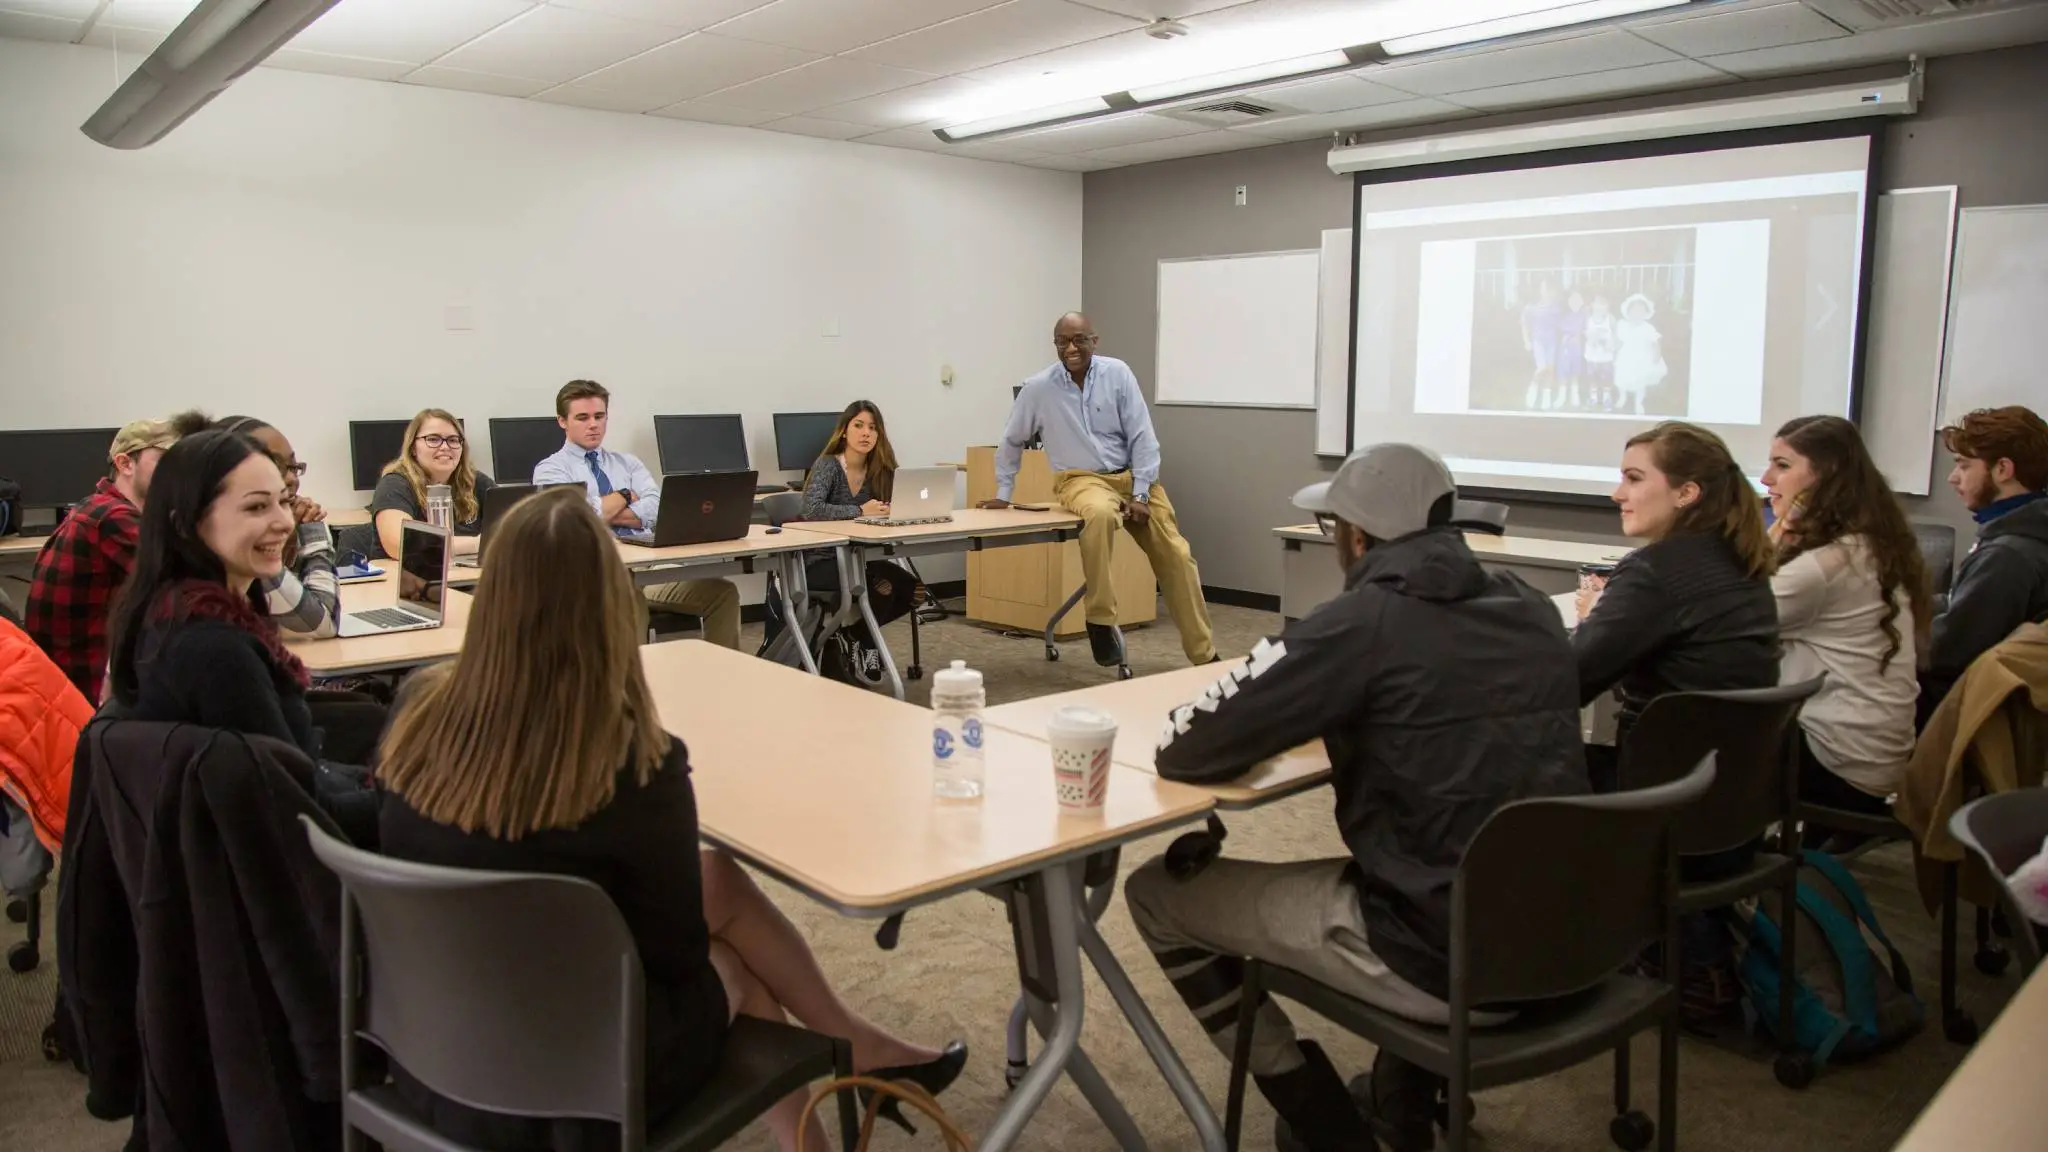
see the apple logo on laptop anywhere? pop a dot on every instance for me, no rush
(924, 493)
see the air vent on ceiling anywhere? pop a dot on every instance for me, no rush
(1228, 113)
(1866, 15)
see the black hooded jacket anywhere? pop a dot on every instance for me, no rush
(2003, 584)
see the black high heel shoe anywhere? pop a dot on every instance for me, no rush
(934, 1076)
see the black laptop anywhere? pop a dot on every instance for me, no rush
(700, 508)
(491, 509)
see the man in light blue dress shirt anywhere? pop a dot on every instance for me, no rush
(628, 497)
(1098, 439)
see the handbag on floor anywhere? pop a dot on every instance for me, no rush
(909, 1094)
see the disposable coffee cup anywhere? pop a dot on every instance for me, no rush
(1593, 577)
(1082, 740)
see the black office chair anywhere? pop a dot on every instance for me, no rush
(1480, 516)
(1553, 898)
(26, 910)
(1938, 553)
(1750, 734)
(450, 984)
(2003, 831)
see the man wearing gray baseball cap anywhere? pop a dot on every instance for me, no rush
(1442, 691)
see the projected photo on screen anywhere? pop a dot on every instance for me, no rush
(1526, 322)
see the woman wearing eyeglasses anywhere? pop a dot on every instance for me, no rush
(435, 453)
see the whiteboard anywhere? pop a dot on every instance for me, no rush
(1908, 312)
(1998, 311)
(1238, 330)
(1333, 344)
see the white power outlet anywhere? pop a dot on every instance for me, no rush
(1240, 195)
(946, 375)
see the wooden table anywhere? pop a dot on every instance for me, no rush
(1309, 574)
(1141, 706)
(970, 530)
(1993, 1101)
(390, 651)
(27, 546)
(852, 823)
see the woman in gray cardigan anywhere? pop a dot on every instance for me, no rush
(853, 478)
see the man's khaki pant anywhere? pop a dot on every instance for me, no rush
(716, 602)
(1098, 499)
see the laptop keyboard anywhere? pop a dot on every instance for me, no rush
(914, 520)
(386, 617)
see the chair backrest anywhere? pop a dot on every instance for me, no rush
(504, 991)
(1938, 553)
(1555, 895)
(2004, 830)
(1749, 731)
(1480, 516)
(783, 507)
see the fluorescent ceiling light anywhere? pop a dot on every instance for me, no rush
(1275, 70)
(1022, 119)
(1557, 16)
(213, 26)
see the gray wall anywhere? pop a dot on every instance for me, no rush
(1982, 127)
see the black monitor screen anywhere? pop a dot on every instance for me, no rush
(800, 438)
(371, 445)
(520, 442)
(57, 467)
(701, 443)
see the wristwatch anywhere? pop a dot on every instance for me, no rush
(1145, 499)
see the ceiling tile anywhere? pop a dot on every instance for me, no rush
(1567, 56)
(905, 106)
(154, 15)
(404, 29)
(1005, 150)
(1108, 55)
(67, 9)
(918, 137)
(1079, 162)
(557, 44)
(841, 25)
(688, 15)
(809, 126)
(439, 76)
(1741, 30)
(123, 40)
(1377, 116)
(298, 60)
(1097, 134)
(602, 99)
(989, 37)
(833, 80)
(1619, 82)
(1201, 144)
(1150, 10)
(693, 66)
(715, 114)
(1974, 32)
(38, 26)
(1330, 94)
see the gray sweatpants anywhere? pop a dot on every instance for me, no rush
(1303, 916)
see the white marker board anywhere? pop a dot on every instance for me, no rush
(1998, 311)
(1239, 331)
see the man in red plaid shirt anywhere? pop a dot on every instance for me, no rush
(86, 559)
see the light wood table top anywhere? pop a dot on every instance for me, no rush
(829, 787)
(1141, 706)
(24, 546)
(1533, 550)
(1993, 1102)
(392, 650)
(758, 541)
(966, 523)
(348, 517)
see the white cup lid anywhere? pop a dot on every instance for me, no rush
(1078, 720)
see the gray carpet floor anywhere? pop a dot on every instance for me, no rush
(953, 976)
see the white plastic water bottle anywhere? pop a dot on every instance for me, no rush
(440, 505)
(957, 701)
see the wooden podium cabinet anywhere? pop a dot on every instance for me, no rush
(1019, 587)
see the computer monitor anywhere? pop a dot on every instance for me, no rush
(371, 445)
(800, 438)
(518, 443)
(56, 467)
(701, 443)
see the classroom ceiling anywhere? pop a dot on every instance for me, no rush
(888, 72)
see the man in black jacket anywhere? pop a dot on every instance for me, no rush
(1442, 692)
(2001, 472)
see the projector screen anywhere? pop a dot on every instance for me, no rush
(1524, 322)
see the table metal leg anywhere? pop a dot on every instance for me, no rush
(857, 581)
(791, 576)
(1017, 1050)
(1207, 1127)
(1055, 886)
(1094, 1089)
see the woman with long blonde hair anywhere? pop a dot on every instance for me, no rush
(538, 749)
(434, 451)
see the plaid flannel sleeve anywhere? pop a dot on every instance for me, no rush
(307, 602)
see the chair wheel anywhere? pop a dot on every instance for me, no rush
(24, 957)
(1631, 1131)
(1795, 1070)
(1959, 1026)
(1992, 958)
(1123, 672)
(17, 911)
(1052, 653)
(913, 673)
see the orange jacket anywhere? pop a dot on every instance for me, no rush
(41, 715)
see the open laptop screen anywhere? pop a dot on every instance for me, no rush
(422, 568)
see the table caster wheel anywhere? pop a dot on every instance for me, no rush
(1052, 653)
(1959, 1026)
(17, 910)
(1123, 672)
(1992, 958)
(24, 957)
(1631, 1131)
(1794, 1069)
(1013, 1071)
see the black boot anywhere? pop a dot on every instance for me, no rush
(1106, 645)
(1316, 1114)
(1402, 1101)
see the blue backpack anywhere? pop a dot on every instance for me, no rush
(1845, 1004)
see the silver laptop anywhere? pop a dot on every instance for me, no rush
(422, 585)
(920, 496)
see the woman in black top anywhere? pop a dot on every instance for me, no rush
(434, 452)
(852, 478)
(1691, 610)
(190, 641)
(538, 750)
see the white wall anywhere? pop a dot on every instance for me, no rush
(292, 252)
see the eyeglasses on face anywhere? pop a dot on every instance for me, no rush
(432, 440)
(1073, 341)
(293, 468)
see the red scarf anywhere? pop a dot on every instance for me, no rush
(211, 600)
